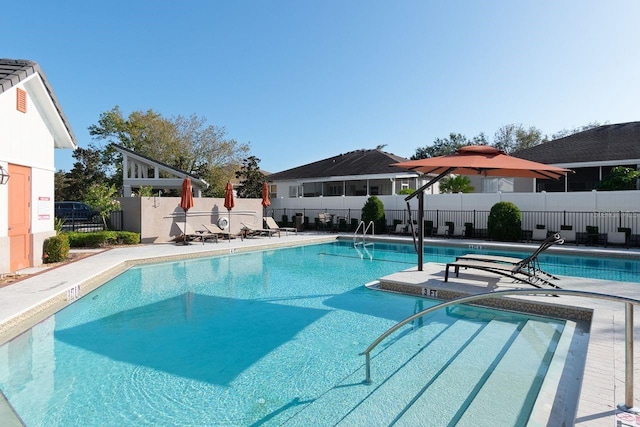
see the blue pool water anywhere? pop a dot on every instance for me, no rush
(273, 338)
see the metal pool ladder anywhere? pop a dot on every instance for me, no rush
(360, 241)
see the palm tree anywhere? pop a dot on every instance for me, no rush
(456, 184)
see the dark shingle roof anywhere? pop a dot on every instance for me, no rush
(359, 162)
(13, 71)
(603, 143)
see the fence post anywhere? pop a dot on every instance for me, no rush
(619, 218)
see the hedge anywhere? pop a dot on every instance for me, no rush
(102, 238)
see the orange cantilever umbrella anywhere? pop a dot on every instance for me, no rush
(186, 202)
(484, 160)
(229, 202)
(473, 160)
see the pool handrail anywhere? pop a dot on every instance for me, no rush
(627, 406)
(365, 229)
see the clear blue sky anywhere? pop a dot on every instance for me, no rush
(304, 80)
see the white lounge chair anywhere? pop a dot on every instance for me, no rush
(443, 230)
(458, 231)
(616, 238)
(539, 233)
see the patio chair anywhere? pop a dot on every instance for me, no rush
(271, 224)
(527, 270)
(324, 220)
(188, 232)
(214, 229)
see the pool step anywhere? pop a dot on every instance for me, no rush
(432, 392)
(536, 344)
(405, 389)
(394, 371)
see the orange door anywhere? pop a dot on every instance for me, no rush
(19, 217)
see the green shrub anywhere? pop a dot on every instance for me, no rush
(56, 249)
(102, 238)
(504, 222)
(128, 238)
(373, 210)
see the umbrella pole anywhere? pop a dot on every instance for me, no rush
(184, 243)
(229, 225)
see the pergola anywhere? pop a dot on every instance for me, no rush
(142, 171)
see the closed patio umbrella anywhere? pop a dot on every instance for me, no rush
(229, 202)
(265, 195)
(473, 160)
(186, 202)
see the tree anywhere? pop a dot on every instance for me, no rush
(87, 170)
(566, 132)
(456, 184)
(511, 138)
(102, 198)
(444, 146)
(620, 178)
(251, 178)
(185, 143)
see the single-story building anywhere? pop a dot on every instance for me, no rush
(591, 154)
(354, 174)
(32, 125)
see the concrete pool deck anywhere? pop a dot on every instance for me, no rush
(30, 300)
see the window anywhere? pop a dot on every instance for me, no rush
(293, 191)
(493, 185)
(21, 100)
(334, 188)
(312, 189)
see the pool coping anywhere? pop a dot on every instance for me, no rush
(35, 298)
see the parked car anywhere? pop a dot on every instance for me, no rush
(74, 211)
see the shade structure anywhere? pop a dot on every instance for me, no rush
(229, 202)
(472, 160)
(186, 201)
(265, 195)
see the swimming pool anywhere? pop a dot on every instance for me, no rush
(272, 338)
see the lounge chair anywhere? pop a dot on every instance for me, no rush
(189, 233)
(617, 238)
(442, 230)
(214, 229)
(458, 231)
(539, 233)
(526, 270)
(248, 230)
(568, 234)
(271, 224)
(534, 266)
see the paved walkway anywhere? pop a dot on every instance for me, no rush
(22, 304)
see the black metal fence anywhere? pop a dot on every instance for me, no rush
(348, 219)
(94, 224)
